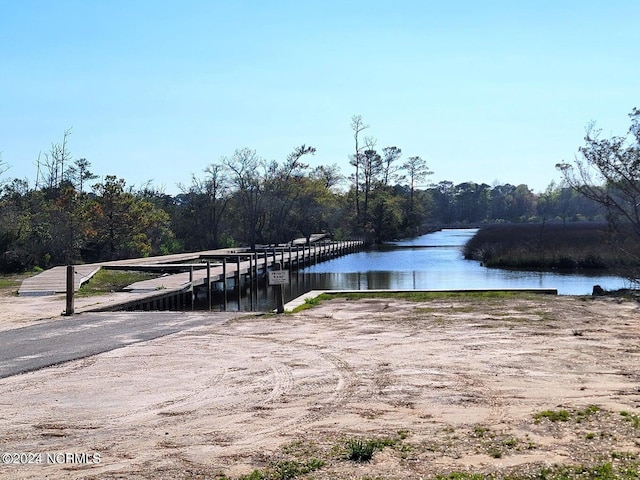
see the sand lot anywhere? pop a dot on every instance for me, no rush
(457, 384)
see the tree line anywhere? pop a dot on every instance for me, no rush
(70, 215)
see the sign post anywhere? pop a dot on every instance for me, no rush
(277, 278)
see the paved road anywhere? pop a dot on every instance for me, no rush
(45, 344)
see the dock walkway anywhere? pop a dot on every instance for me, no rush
(184, 273)
(53, 280)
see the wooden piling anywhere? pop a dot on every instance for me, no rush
(238, 283)
(224, 284)
(70, 290)
(209, 284)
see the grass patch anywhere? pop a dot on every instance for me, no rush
(106, 281)
(285, 470)
(309, 302)
(417, 296)
(631, 417)
(564, 415)
(9, 284)
(412, 296)
(327, 458)
(602, 471)
(552, 416)
(461, 476)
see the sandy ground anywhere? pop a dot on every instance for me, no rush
(449, 385)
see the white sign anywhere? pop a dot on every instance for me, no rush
(278, 277)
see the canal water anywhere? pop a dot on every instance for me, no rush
(429, 262)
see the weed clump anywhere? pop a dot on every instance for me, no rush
(360, 450)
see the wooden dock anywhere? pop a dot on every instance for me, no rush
(184, 275)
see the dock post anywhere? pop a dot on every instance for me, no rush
(193, 292)
(209, 284)
(266, 276)
(70, 290)
(238, 283)
(256, 273)
(250, 291)
(224, 283)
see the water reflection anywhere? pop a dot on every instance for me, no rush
(435, 261)
(429, 262)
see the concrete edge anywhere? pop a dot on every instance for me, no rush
(302, 299)
(85, 278)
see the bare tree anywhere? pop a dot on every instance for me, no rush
(608, 172)
(3, 167)
(54, 162)
(244, 168)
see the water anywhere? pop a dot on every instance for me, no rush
(429, 262)
(435, 261)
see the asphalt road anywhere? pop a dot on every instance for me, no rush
(45, 344)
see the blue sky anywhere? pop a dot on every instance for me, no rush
(494, 91)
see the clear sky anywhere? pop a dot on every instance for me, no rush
(485, 91)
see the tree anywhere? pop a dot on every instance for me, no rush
(417, 171)
(329, 175)
(203, 206)
(372, 167)
(124, 225)
(78, 174)
(608, 172)
(283, 186)
(244, 167)
(390, 168)
(315, 207)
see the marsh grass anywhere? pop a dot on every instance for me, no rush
(575, 246)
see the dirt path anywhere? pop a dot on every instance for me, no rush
(455, 384)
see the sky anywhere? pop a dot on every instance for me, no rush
(154, 92)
